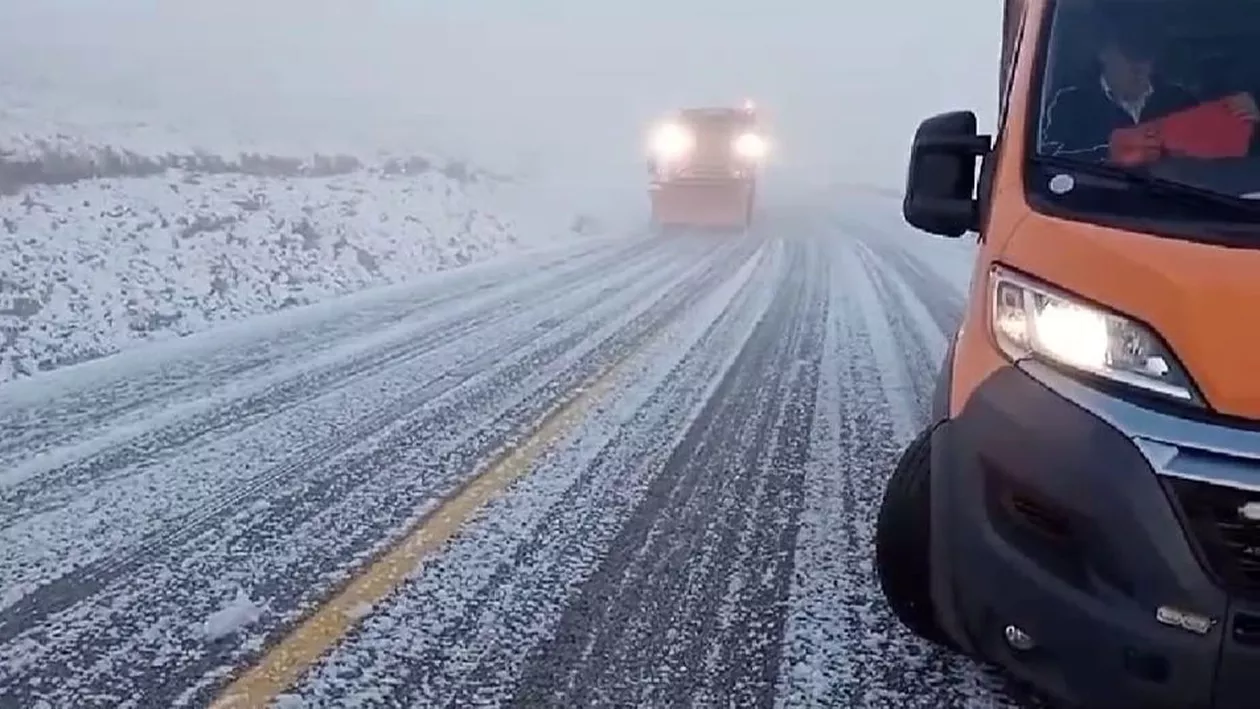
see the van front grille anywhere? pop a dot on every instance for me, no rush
(1227, 539)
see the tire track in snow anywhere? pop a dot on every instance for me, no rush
(842, 646)
(944, 301)
(141, 618)
(705, 535)
(433, 385)
(687, 603)
(298, 377)
(44, 492)
(501, 589)
(457, 635)
(906, 347)
(34, 427)
(172, 529)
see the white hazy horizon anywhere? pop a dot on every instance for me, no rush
(562, 86)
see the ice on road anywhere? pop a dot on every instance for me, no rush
(702, 537)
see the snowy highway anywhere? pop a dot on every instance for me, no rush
(620, 472)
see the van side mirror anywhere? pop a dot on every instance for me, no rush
(941, 181)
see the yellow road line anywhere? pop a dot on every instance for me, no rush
(285, 663)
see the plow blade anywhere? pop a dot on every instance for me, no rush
(723, 204)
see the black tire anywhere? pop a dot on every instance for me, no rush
(903, 542)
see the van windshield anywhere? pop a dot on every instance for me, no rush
(1165, 88)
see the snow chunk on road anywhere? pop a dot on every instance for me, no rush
(232, 618)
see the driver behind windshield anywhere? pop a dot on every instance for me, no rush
(1124, 89)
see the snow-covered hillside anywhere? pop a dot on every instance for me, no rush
(102, 247)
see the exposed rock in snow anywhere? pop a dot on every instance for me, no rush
(102, 248)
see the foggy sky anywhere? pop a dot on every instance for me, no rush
(555, 82)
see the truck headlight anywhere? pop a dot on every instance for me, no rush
(671, 141)
(751, 146)
(1033, 320)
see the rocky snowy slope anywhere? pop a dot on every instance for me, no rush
(105, 247)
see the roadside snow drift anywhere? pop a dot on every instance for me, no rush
(101, 248)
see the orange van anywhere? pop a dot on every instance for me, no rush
(1084, 509)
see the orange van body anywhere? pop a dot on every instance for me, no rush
(1195, 295)
(1083, 508)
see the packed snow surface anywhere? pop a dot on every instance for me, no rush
(701, 532)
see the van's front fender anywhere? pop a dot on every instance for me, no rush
(944, 384)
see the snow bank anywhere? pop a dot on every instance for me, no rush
(104, 247)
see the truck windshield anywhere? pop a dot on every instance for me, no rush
(1164, 88)
(725, 122)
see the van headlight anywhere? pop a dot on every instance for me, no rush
(1032, 320)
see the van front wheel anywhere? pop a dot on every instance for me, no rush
(903, 542)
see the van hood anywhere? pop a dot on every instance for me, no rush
(1203, 300)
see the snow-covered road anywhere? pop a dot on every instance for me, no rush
(699, 534)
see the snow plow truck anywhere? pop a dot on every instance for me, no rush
(703, 164)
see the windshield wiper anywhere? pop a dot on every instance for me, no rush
(1143, 177)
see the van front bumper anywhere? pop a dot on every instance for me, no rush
(1112, 535)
